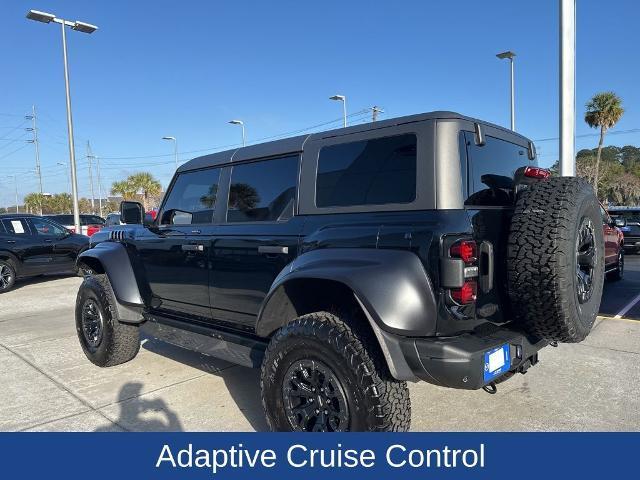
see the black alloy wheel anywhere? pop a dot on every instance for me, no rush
(92, 323)
(314, 399)
(586, 257)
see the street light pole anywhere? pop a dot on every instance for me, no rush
(84, 28)
(343, 99)
(510, 55)
(175, 148)
(241, 123)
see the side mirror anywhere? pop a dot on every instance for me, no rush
(620, 222)
(131, 213)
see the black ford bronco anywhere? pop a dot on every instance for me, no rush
(346, 263)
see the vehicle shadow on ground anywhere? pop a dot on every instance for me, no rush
(143, 414)
(29, 281)
(243, 383)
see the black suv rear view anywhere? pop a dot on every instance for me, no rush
(345, 263)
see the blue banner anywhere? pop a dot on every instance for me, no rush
(521, 456)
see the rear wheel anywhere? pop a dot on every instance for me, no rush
(320, 374)
(7, 276)
(104, 339)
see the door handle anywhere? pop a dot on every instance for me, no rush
(48, 240)
(273, 249)
(11, 241)
(486, 267)
(193, 248)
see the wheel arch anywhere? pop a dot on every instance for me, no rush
(112, 259)
(387, 291)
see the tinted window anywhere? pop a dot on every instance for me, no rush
(491, 170)
(368, 172)
(263, 191)
(628, 215)
(63, 219)
(91, 220)
(192, 198)
(16, 226)
(43, 227)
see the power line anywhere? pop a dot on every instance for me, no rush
(585, 135)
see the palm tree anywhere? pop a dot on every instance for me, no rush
(145, 183)
(124, 188)
(604, 110)
(34, 202)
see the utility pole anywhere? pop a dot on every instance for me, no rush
(34, 130)
(90, 157)
(375, 110)
(99, 185)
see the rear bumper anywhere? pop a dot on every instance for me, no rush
(458, 362)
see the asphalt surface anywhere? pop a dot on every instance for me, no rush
(621, 298)
(48, 384)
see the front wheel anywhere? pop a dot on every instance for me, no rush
(7, 276)
(104, 339)
(320, 374)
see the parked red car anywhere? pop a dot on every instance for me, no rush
(613, 246)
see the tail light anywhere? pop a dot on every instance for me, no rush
(537, 172)
(467, 252)
(466, 294)
(91, 229)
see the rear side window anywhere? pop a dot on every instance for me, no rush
(491, 170)
(368, 172)
(16, 226)
(192, 198)
(63, 219)
(91, 220)
(263, 191)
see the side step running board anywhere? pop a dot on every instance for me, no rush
(229, 346)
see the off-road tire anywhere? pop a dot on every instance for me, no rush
(376, 401)
(9, 275)
(542, 260)
(120, 342)
(617, 274)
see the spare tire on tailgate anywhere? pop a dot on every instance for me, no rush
(555, 256)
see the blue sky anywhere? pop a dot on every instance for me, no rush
(184, 69)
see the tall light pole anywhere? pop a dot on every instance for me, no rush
(35, 142)
(175, 148)
(567, 88)
(510, 55)
(62, 164)
(343, 99)
(84, 28)
(241, 123)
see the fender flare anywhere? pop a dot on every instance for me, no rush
(114, 260)
(391, 287)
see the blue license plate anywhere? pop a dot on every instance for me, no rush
(496, 362)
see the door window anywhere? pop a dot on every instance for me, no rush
(45, 228)
(368, 172)
(16, 226)
(263, 191)
(192, 199)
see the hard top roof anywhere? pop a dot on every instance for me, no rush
(296, 144)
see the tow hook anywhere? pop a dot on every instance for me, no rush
(490, 388)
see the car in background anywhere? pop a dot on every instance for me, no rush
(31, 245)
(89, 224)
(630, 226)
(614, 241)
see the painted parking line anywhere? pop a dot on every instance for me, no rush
(607, 317)
(628, 307)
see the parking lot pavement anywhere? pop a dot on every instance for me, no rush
(47, 383)
(621, 298)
